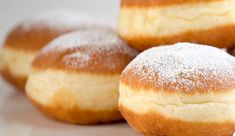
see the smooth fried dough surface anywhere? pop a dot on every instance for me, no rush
(210, 23)
(92, 51)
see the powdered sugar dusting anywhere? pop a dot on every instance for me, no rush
(85, 45)
(99, 38)
(57, 20)
(184, 66)
(81, 59)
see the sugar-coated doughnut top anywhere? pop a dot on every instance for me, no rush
(96, 51)
(183, 67)
(35, 32)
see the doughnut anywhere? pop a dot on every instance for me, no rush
(75, 78)
(148, 23)
(26, 39)
(183, 89)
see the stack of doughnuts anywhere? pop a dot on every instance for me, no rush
(26, 39)
(76, 70)
(148, 23)
(69, 65)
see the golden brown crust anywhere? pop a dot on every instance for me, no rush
(76, 115)
(55, 61)
(136, 82)
(221, 37)
(34, 33)
(105, 58)
(18, 82)
(151, 3)
(33, 39)
(155, 124)
(181, 68)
